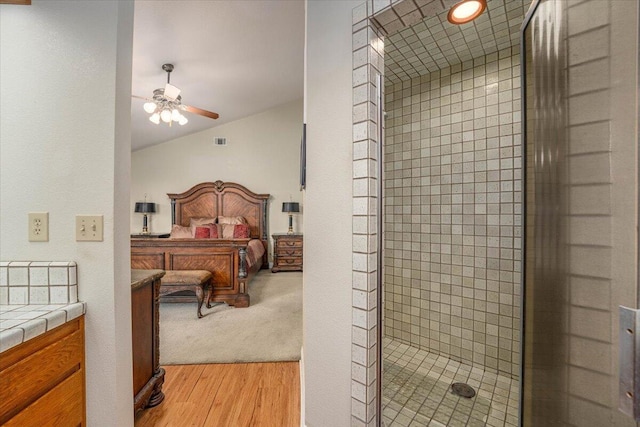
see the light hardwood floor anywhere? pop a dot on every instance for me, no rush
(228, 395)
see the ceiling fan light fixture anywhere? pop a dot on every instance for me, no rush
(165, 115)
(166, 104)
(466, 11)
(149, 107)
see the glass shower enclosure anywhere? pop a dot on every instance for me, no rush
(580, 143)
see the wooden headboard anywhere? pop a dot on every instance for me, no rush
(214, 199)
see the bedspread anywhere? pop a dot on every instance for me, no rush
(255, 250)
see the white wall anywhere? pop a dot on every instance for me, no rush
(328, 215)
(65, 87)
(263, 154)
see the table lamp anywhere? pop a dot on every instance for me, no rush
(145, 208)
(290, 207)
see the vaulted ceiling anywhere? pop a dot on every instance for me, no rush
(236, 58)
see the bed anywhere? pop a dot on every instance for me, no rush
(232, 261)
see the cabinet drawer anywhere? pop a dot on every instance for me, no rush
(289, 252)
(283, 262)
(289, 243)
(38, 371)
(61, 406)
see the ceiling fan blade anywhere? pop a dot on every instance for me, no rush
(200, 111)
(171, 92)
(142, 97)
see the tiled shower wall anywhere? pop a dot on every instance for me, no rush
(453, 212)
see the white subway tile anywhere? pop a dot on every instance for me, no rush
(589, 107)
(589, 46)
(55, 318)
(74, 310)
(587, 16)
(38, 276)
(59, 294)
(38, 295)
(10, 338)
(59, 275)
(590, 137)
(18, 276)
(33, 328)
(18, 295)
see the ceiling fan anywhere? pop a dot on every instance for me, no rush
(166, 104)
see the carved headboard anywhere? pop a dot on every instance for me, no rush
(214, 199)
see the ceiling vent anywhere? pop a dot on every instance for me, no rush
(219, 140)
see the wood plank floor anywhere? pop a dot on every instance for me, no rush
(228, 395)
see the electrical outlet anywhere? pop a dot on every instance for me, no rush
(38, 226)
(89, 228)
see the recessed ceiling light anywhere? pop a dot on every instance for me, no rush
(466, 11)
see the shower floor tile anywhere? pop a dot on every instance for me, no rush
(417, 391)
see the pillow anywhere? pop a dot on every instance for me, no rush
(207, 231)
(201, 221)
(202, 232)
(214, 231)
(240, 231)
(231, 220)
(227, 230)
(180, 232)
(235, 231)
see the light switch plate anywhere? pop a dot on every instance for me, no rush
(38, 226)
(89, 228)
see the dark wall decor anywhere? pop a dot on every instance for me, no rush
(303, 157)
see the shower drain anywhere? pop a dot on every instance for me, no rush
(463, 390)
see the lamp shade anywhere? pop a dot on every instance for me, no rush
(290, 207)
(145, 207)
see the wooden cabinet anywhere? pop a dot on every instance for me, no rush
(148, 376)
(42, 381)
(287, 252)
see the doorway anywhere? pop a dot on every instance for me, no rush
(431, 293)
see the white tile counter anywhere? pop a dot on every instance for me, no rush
(20, 323)
(35, 297)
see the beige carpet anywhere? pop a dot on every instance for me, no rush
(269, 330)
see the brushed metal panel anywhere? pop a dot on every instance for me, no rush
(629, 376)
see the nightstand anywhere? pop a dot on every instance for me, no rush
(287, 252)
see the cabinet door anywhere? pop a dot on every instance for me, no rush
(61, 406)
(142, 309)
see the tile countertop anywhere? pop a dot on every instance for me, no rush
(20, 323)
